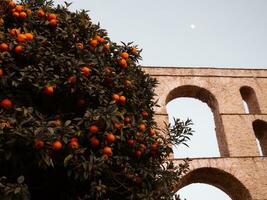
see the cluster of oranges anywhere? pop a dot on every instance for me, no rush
(123, 59)
(119, 98)
(93, 42)
(19, 11)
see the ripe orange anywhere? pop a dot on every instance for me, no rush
(86, 71)
(51, 16)
(14, 32)
(29, 36)
(21, 37)
(11, 4)
(118, 125)
(98, 38)
(18, 49)
(93, 42)
(123, 63)
(53, 22)
(152, 132)
(127, 120)
(110, 137)
(94, 142)
(73, 139)
(23, 14)
(40, 13)
(79, 45)
(124, 55)
(19, 8)
(57, 145)
(127, 83)
(73, 144)
(142, 127)
(106, 47)
(39, 144)
(4, 47)
(134, 50)
(131, 142)
(6, 103)
(154, 146)
(144, 114)
(142, 147)
(107, 150)
(115, 97)
(102, 40)
(122, 99)
(15, 14)
(93, 129)
(48, 89)
(138, 153)
(1, 72)
(29, 11)
(72, 80)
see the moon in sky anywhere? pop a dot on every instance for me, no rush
(192, 26)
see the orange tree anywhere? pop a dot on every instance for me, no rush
(76, 111)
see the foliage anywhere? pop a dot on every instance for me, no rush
(76, 111)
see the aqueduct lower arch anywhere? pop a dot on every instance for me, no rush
(240, 159)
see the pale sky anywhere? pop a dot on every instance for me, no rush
(215, 33)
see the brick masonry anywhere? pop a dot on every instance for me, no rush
(240, 171)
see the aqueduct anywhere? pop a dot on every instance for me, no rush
(240, 171)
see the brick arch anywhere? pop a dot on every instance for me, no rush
(249, 96)
(218, 178)
(260, 130)
(205, 96)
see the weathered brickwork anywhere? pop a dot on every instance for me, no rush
(240, 171)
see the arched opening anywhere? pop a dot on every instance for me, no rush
(203, 143)
(225, 181)
(207, 97)
(260, 130)
(197, 191)
(250, 101)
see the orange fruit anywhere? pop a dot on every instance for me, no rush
(131, 142)
(122, 99)
(4, 47)
(39, 144)
(142, 147)
(154, 146)
(107, 150)
(127, 83)
(19, 8)
(72, 80)
(93, 42)
(98, 38)
(123, 63)
(106, 47)
(79, 45)
(118, 125)
(124, 55)
(1, 72)
(53, 22)
(110, 137)
(23, 14)
(138, 153)
(14, 32)
(102, 40)
(21, 37)
(73, 139)
(48, 89)
(85, 71)
(6, 103)
(40, 13)
(11, 4)
(94, 142)
(152, 132)
(29, 36)
(51, 16)
(115, 97)
(57, 145)
(93, 129)
(134, 50)
(144, 114)
(29, 11)
(73, 144)
(18, 49)
(15, 14)
(142, 127)
(127, 120)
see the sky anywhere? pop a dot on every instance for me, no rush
(189, 33)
